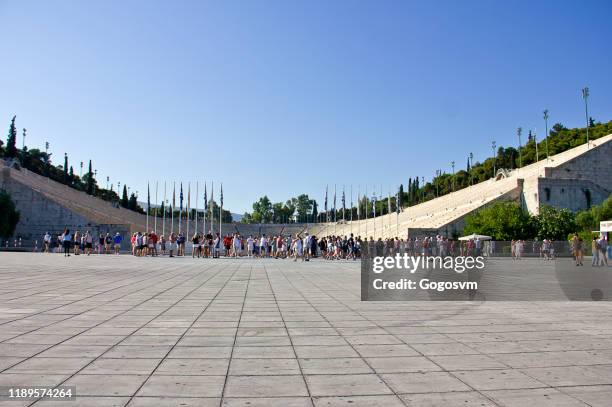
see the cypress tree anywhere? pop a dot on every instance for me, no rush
(133, 202)
(65, 168)
(409, 191)
(124, 197)
(11, 141)
(90, 180)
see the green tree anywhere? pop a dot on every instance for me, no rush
(90, 182)
(226, 215)
(133, 204)
(66, 168)
(588, 220)
(553, 223)
(124, 197)
(278, 212)
(9, 216)
(606, 210)
(11, 141)
(303, 205)
(246, 218)
(262, 210)
(501, 221)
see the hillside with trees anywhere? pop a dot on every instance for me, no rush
(507, 221)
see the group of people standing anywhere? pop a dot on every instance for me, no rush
(236, 245)
(83, 243)
(304, 247)
(599, 251)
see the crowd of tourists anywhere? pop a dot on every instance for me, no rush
(82, 243)
(294, 246)
(305, 246)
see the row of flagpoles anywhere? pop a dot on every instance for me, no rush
(208, 208)
(373, 200)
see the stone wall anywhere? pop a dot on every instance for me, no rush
(573, 194)
(594, 165)
(39, 215)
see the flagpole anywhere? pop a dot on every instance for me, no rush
(326, 213)
(164, 214)
(351, 209)
(196, 215)
(172, 207)
(221, 211)
(148, 207)
(187, 208)
(382, 220)
(205, 210)
(335, 217)
(212, 198)
(374, 211)
(389, 210)
(366, 211)
(398, 208)
(156, 185)
(181, 209)
(359, 210)
(343, 205)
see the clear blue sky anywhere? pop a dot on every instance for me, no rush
(284, 97)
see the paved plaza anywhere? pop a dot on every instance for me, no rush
(128, 331)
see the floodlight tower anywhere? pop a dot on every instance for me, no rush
(493, 145)
(519, 131)
(546, 135)
(585, 96)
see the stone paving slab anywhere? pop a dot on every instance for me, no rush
(166, 332)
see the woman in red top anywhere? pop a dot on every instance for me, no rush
(227, 243)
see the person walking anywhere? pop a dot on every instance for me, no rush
(594, 252)
(47, 242)
(577, 249)
(88, 243)
(236, 244)
(250, 246)
(66, 241)
(602, 246)
(217, 246)
(298, 248)
(195, 250)
(172, 243)
(77, 243)
(117, 242)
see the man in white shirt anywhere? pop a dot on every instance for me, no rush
(263, 246)
(250, 246)
(306, 246)
(47, 241)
